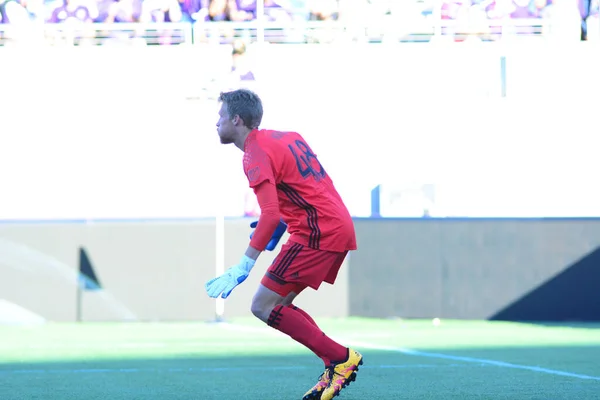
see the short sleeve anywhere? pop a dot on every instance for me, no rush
(258, 166)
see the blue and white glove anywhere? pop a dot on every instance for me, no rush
(279, 231)
(224, 284)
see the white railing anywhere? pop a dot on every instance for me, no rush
(332, 31)
(98, 34)
(259, 31)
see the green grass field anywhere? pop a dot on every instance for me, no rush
(242, 360)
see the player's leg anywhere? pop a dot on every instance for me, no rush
(287, 318)
(306, 315)
(324, 379)
(289, 300)
(340, 373)
(292, 271)
(277, 311)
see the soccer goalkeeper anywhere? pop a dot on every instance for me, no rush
(295, 192)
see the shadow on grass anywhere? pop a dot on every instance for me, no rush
(385, 375)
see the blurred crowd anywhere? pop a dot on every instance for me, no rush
(409, 13)
(61, 11)
(109, 11)
(568, 17)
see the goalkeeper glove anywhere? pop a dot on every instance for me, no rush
(224, 284)
(279, 231)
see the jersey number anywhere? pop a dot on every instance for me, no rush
(307, 161)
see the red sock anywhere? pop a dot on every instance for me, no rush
(294, 324)
(326, 360)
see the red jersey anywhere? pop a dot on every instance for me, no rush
(308, 202)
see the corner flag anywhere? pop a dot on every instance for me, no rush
(87, 277)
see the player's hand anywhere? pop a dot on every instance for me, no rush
(279, 231)
(224, 284)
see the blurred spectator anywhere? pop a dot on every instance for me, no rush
(160, 11)
(589, 10)
(20, 12)
(232, 10)
(500, 9)
(22, 16)
(286, 11)
(121, 11)
(242, 10)
(449, 12)
(239, 74)
(240, 65)
(73, 21)
(522, 9)
(194, 10)
(124, 11)
(218, 10)
(278, 10)
(224, 10)
(584, 8)
(450, 9)
(539, 8)
(322, 10)
(71, 12)
(103, 7)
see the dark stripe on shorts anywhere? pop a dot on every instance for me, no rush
(284, 260)
(287, 260)
(275, 278)
(311, 212)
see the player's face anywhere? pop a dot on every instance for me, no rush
(225, 127)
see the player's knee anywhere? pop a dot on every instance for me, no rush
(260, 309)
(289, 299)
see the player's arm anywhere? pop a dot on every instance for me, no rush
(266, 194)
(258, 169)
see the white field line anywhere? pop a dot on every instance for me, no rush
(417, 353)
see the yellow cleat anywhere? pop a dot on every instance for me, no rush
(343, 374)
(316, 391)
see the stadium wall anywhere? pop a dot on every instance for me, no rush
(411, 268)
(147, 271)
(500, 269)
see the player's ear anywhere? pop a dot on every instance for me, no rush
(235, 119)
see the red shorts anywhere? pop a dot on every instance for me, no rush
(298, 266)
